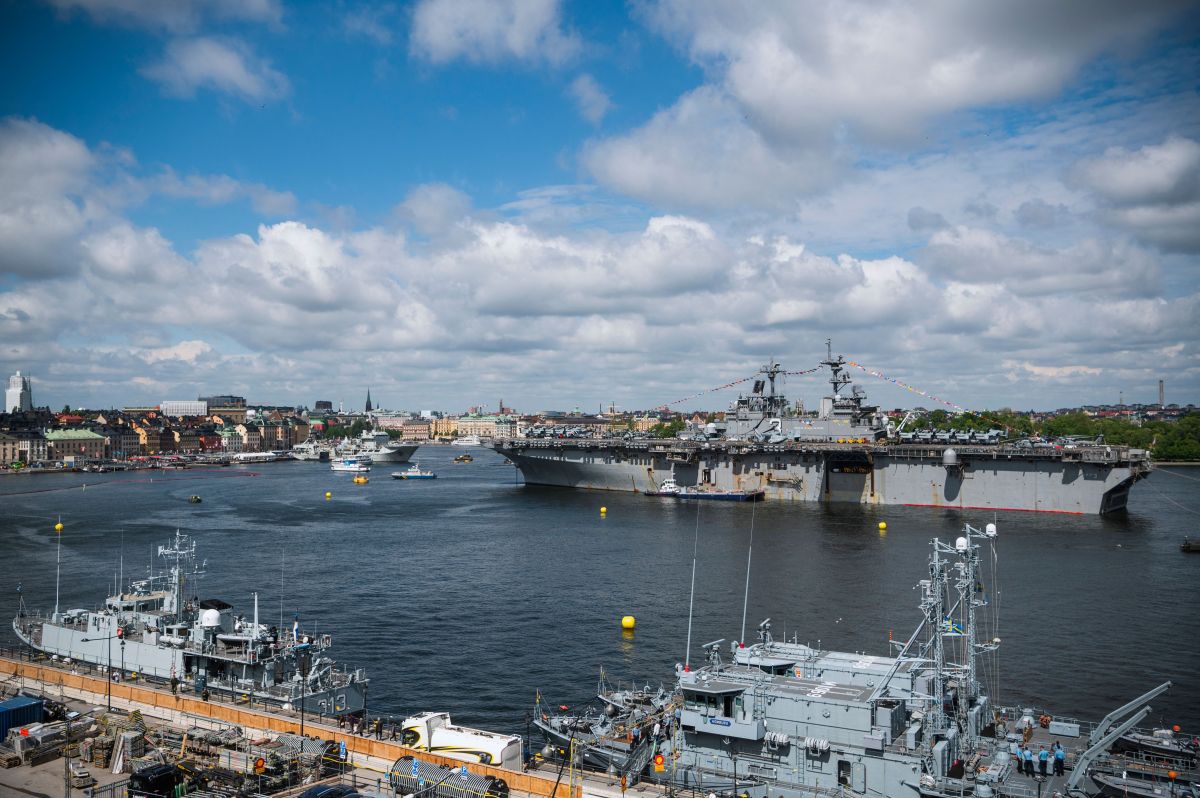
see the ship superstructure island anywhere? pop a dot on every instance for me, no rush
(153, 629)
(843, 454)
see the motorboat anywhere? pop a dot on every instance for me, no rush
(467, 440)
(354, 465)
(414, 472)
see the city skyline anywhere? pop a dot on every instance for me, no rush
(591, 204)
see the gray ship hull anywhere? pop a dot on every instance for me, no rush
(161, 663)
(1092, 480)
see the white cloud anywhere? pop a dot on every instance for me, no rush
(220, 189)
(591, 98)
(794, 91)
(483, 303)
(972, 255)
(175, 16)
(433, 208)
(701, 153)
(374, 23)
(491, 31)
(223, 65)
(1153, 192)
(43, 176)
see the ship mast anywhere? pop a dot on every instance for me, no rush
(837, 379)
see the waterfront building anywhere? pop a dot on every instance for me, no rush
(251, 440)
(32, 446)
(123, 442)
(184, 408)
(231, 439)
(415, 429)
(18, 397)
(72, 444)
(483, 426)
(444, 427)
(323, 406)
(10, 449)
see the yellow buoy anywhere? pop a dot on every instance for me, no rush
(883, 526)
(603, 510)
(328, 495)
(628, 622)
(58, 527)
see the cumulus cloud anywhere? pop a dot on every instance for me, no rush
(288, 309)
(593, 102)
(1153, 192)
(491, 31)
(43, 176)
(701, 153)
(801, 88)
(972, 255)
(219, 64)
(175, 16)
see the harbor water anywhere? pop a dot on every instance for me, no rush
(471, 592)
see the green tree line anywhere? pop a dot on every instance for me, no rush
(1166, 440)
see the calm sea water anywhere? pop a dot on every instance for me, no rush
(470, 592)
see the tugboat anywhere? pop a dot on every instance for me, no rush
(163, 635)
(464, 458)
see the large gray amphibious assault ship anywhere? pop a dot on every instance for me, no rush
(846, 453)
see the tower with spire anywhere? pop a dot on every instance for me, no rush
(369, 408)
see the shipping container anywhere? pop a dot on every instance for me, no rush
(19, 711)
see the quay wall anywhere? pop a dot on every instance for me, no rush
(184, 710)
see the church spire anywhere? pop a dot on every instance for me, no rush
(369, 408)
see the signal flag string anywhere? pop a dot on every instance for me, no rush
(731, 384)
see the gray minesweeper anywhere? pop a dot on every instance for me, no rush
(787, 720)
(153, 630)
(844, 454)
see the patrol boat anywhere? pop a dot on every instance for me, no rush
(846, 452)
(785, 719)
(155, 631)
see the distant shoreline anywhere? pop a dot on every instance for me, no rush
(1191, 463)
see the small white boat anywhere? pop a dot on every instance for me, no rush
(350, 464)
(467, 440)
(668, 487)
(414, 472)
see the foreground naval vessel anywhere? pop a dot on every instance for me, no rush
(846, 453)
(788, 720)
(153, 630)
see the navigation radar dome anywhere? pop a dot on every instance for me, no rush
(960, 544)
(949, 458)
(990, 530)
(210, 619)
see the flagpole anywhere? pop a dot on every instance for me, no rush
(58, 528)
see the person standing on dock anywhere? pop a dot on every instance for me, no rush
(1043, 761)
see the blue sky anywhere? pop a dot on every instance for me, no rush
(573, 204)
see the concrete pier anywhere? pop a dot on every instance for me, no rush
(370, 758)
